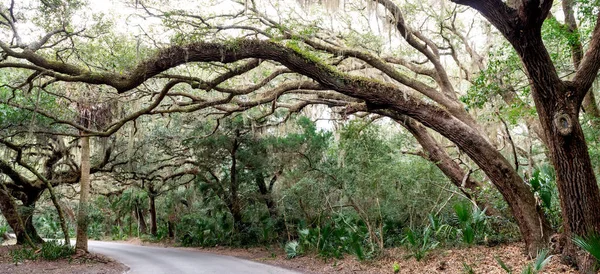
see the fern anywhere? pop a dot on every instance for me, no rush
(468, 234)
(420, 246)
(463, 212)
(291, 249)
(591, 244)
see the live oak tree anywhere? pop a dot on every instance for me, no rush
(316, 59)
(35, 162)
(36, 168)
(240, 162)
(558, 104)
(446, 115)
(535, 232)
(158, 165)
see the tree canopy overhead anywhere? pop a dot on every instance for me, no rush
(433, 68)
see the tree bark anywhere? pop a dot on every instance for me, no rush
(30, 229)
(142, 228)
(266, 194)
(577, 187)
(11, 214)
(171, 228)
(82, 222)
(153, 227)
(29, 201)
(558, 109)
(557, 103)
(234, 204)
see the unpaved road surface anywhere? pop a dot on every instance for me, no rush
(158, 260)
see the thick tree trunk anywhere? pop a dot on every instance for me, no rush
(30, 229)
(153, 227)
(82, 222)
(142, 228)
(11, 214)
(171, 228)
(557, 103)
(558, 110)
(27, 210)
(234, 204)
(266, 194)
(238, 223)
(577, 187)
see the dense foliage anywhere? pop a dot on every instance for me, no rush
(328, 128)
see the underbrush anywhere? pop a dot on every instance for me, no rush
(343, 235)
(3, 230)
(50, 250)
(332, 240)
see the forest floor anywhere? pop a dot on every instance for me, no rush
(480, 259)
(86, 264)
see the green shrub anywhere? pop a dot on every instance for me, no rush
(393, 231)
(543, 184)
(541, 261)
(196, 230)
(332, 240)
(443, 232)
(420, 242)
(590, 243)
(472, 221)
(3, 229)
(47, 225)
(162, 231)
(292, 250)
(95, 230)
(52, 250)
(117, 233)
(22, 254)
